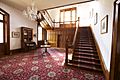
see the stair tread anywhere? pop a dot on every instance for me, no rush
(86, 62)
(85, 50)
(85, 45)
(81, 53)
(85, 54)
(84, 66)
(84, 40)
(78, 42)
(90, 39)
(86, 57)
(89, 48)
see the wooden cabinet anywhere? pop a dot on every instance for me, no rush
(26, 36)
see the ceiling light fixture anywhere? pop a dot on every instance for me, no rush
(32, 13)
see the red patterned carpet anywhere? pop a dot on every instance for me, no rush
(37, 66)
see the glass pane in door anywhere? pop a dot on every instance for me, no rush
(1, 17)
(1, 32)
(39, 33)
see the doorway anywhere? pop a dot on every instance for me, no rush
(4, 33)
(115, 57)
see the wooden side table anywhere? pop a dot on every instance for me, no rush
(45, 46)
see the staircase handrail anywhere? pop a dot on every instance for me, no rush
(69, 45)
(47, 17)
(76, 31)
(65, 21)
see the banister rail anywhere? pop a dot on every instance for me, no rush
(71, 45)
(49, 20)
(47, 17)
(74, 39)
(65, 21)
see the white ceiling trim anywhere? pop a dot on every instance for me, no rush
(41, 4)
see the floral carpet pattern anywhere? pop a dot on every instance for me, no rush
(36, 65)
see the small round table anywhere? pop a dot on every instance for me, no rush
(45, 46)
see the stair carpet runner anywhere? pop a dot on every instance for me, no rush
(85, 53)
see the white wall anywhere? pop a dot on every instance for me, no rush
(82, 12)
(54, 13)
(17, 20)
(103, 8)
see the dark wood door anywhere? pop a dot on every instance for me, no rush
(58, 40)
(115, 57)
(1, 34)
(1, 49)
(4, 33)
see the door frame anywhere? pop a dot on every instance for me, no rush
(7, 45)
(115, 53)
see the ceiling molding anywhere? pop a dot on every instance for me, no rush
(68, 4)
(42, 4)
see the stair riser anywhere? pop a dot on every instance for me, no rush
(89, 64)
(89, 69)
(85, 45)
(88, 48)
(85, 59)
(94, 56)
(84, 41)
(85, 51)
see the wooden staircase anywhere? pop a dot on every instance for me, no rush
(85, 54)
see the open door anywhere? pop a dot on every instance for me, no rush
(1, 35)
(115, 57)
(4, 33)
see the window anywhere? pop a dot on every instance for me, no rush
(1, 28)
(68, 14)
(39, 33)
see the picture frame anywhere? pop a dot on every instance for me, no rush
(95, 18)
(15, 34)
(104, 25)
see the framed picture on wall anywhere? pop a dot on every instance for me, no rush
(95, 18)
(15, 34)
(104, 25)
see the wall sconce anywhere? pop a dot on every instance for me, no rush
(35, 35)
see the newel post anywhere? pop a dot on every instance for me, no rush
(66, 56)
(78, 21)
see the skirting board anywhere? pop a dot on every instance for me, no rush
(104, 68)
(15, 51)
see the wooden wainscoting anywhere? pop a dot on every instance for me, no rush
(104, 68)
(16, 51)
(2, 49)
(58, 36)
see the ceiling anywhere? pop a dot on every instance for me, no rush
(40, 4)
